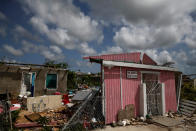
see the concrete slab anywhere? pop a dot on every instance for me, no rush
(41, 103)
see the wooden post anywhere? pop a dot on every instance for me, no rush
(8, 103)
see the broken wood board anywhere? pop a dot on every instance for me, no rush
(187, 107)
(33, 117)
(166, 121)
(41, 103)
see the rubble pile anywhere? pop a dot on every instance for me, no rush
(57, 117)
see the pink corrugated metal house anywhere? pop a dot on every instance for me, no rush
(134, 78)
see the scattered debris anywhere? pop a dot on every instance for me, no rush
(33, 117)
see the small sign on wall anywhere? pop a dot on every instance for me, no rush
(131, 74)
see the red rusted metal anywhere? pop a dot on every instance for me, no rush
(147, 60)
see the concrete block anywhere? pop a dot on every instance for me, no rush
(41, 103)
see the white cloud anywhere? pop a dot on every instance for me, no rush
(180, 56)
(21, 32)
(159, 57)
(51, 53)
(148, 23)
(63, 23)
(112, 50)
(29, 47)
(2, 16)
(84, 64)
(145, 36)
(158, 12)
(192, 59)
(56, 49)
(48, 55)
(86, 50)
(12, 50)
(3, 31)
(190, 39)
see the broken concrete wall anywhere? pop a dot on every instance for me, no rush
(41, 103)
(11, 79)
(40, 82)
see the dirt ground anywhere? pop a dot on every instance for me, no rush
(150, 127)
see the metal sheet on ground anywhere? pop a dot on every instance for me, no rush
(166, 121)
(81, 95)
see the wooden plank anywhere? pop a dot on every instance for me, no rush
(30, 124)
(186, 114)
(187, 107)
(187, 104)
(188, 101)
(187, 111)
(33, 117)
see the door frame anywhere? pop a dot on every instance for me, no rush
(150, 72)
(22, 80)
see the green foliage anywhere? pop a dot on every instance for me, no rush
(56, 65)
(43, 121)
(71, 80)
(14, 115)
(89, 80)
(76, 127)
(74, 80)
(188, 91)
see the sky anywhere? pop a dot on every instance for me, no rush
(33, 31)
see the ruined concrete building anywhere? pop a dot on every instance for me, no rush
(31, 80)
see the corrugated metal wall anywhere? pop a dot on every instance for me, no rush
(112, 93)
(170, 91)
(130, 91)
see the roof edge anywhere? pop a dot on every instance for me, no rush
(143, 66)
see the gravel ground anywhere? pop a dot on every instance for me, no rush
(150, 127)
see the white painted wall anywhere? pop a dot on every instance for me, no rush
(143, 100)
(163, 98)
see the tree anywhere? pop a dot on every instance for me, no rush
(54, 64)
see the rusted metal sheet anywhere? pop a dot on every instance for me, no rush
(147, 60)
(129, 57)
(170, 91)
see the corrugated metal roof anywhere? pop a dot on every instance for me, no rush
(142, 66)
(128, 57)
(81, 95)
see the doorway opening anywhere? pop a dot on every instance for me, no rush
(28, 83)
(153, 92)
